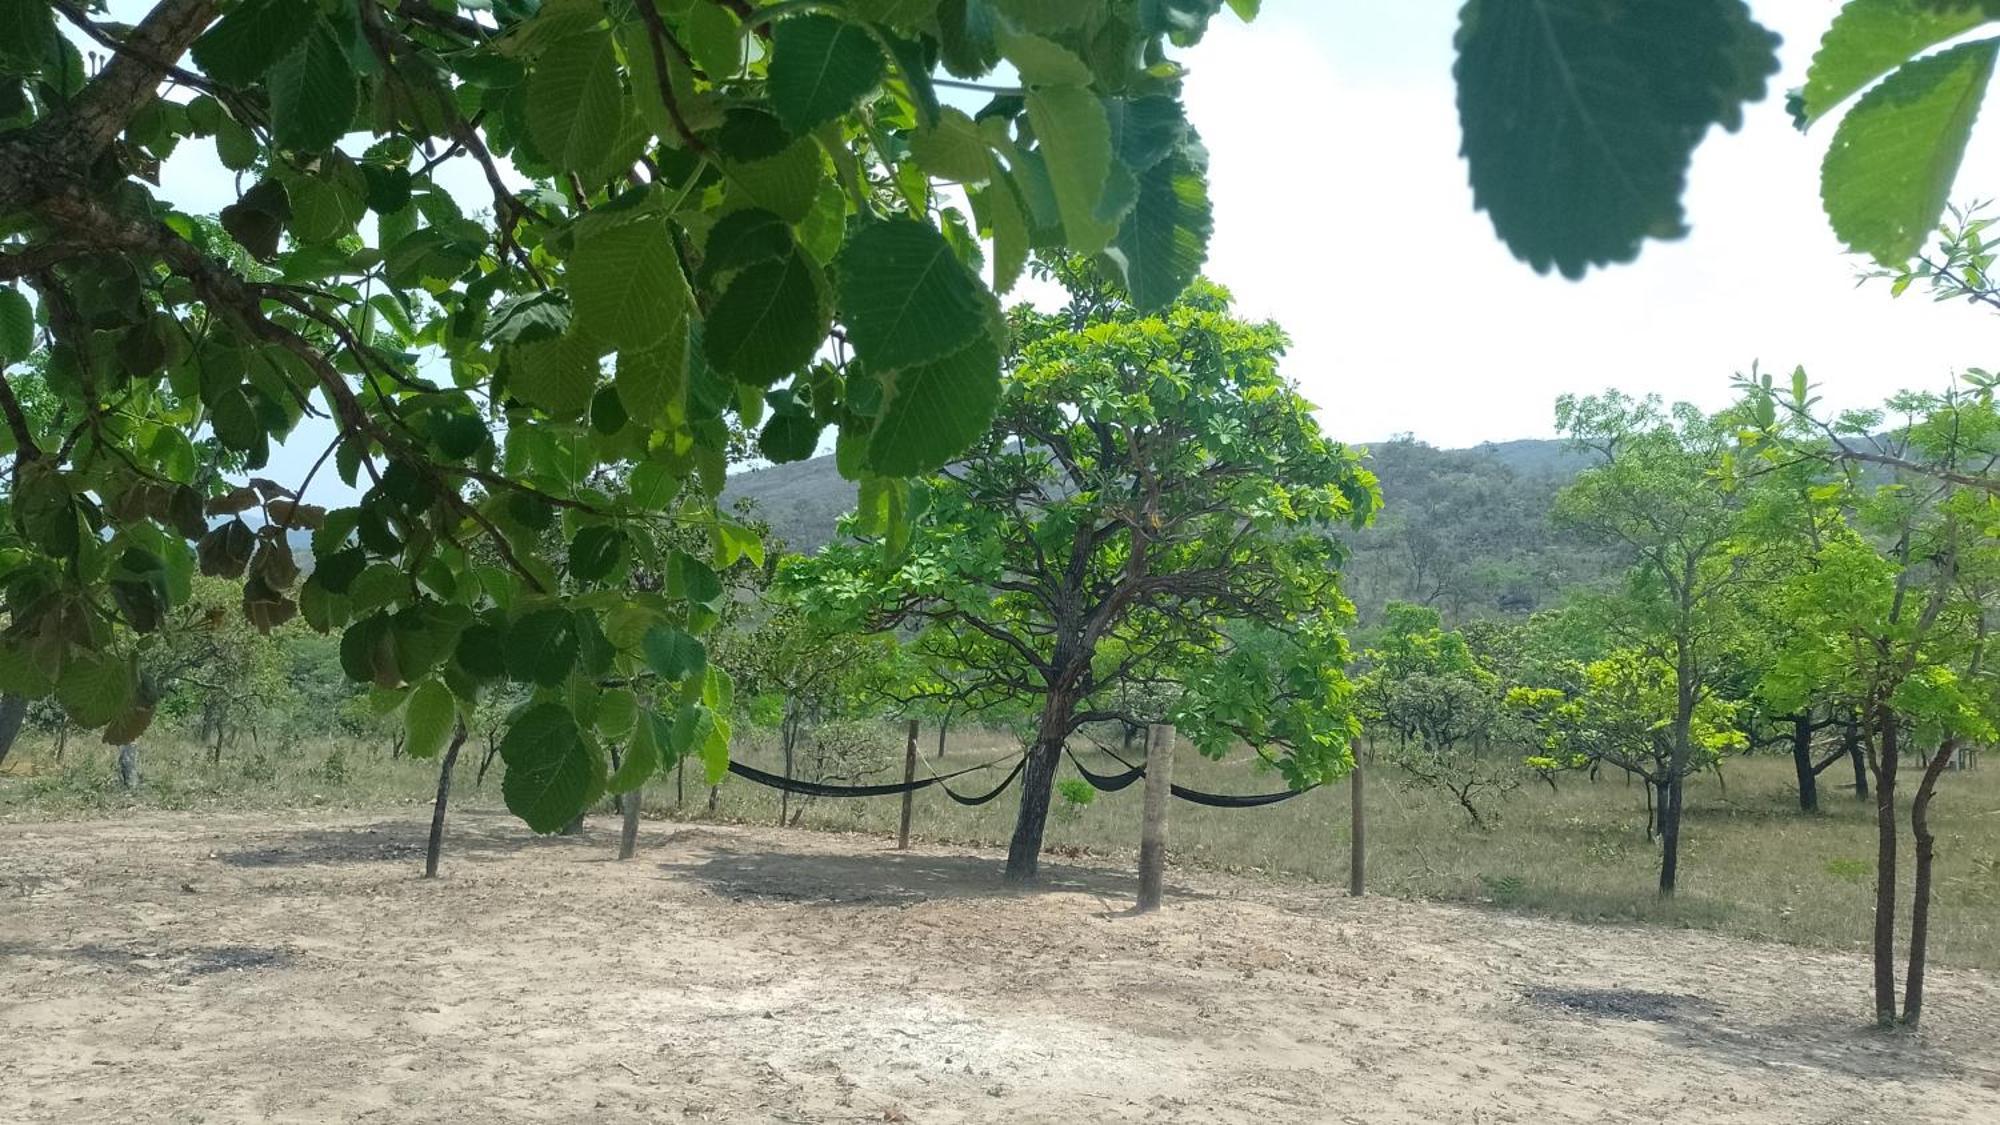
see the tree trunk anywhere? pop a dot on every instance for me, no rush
(788, 738)
(436, 847)
(1357, 857)
(13, 709)
(680, 783)
(1675, 783)
(573, 828)
(714, 799)
(1852, 739)
(1886, 760)
(1650, 838)
(1920, 902)
(1802, 763)
(628, 831)
(1038, 782)
(128, 766)
(944, 726)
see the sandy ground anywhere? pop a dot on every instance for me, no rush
(260, 968)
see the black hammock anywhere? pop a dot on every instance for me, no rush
(821, 789)
(1112, 783)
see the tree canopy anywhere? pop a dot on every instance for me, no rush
(701, 224)
(1145, 533)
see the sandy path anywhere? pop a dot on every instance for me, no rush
(251, 968)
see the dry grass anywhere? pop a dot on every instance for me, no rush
(1752, 864)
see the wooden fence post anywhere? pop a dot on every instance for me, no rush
(1357, 860)
(1153, 823)
(909, 795)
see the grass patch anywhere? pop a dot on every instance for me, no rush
(1752, 864)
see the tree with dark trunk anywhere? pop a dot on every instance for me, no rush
(1145, 528)
(1656, 494)
(435, 848)
(13, 712)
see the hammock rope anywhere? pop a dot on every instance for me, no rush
(1112, 783)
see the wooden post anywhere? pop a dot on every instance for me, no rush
(909, 795)
(1153, 823)
(1357, 860)
(628, 832)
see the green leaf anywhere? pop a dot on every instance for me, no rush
(785, 183)
(327, 205)
(895, 13)
(313, 94)
(595, 552)
(690, 578)
(769, 322)
(95, 687)
(542, 647)
(1580, 117)
(428, 718)
(1161, 245)
(1047, 15)
(626, 286)
(934, 410)
(1075, 140)
(953, 149)
(1002, 210)
(257, 220)
(789, 435)
(250, 39)
(714, 38)
(1870, 38)
(1892, 162)
(1042, 62)
(552, 773)
(559, 375)
(742, 239)
(17, 326)
(905, 297)
(820, 68)
(673, 653)
(642, 754)
(576, 108)
(653, 382)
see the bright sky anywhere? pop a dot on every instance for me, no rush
(1342, 212)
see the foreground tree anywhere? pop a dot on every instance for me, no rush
(1153, 504)
(688, 199)
(1896, 611)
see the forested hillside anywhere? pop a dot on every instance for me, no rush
(1463, 530)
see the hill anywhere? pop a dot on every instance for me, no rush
(1466, 530)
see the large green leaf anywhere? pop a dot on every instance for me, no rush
(576, 108)
(654, 381)
(953, 149)
(642, 754)
(1892, 162)
(17, 326)
(250, 39)
(552, 773)
(542, 647)
(1075, 140)
(313, 93)
(95, 687)
(820, 67)
(626, 285)
(1164, 240)
(673, 653)
(934, 410)
(1870, 38)
(905, 297)
(559, 375)
(428, 718)
(769, 322)
(1580, 117)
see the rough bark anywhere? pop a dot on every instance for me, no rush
(1852, 740)
(1038, 782)
(628, 829)
(435, 849)
(128, 766)
(1920, 902)
(1675, 783)
(13, 710)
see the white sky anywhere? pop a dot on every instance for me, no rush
(1342, 212)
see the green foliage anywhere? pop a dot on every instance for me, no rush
(722, 222)
(1146, 531)
(1580, 117)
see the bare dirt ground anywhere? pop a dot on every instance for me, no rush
(259, 968)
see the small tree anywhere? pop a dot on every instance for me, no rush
(1152, 505)
(1424, 686)
(1660, 494)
